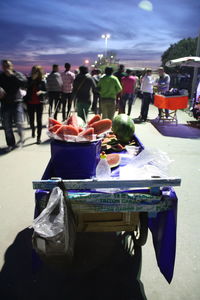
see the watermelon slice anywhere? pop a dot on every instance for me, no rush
(86, 132)
(73, 120)
(113, 159)
(94, 119)
(54, 128)
(101, 126)
(117, 147)
(66, 130)
(80, 129)
(52, 122)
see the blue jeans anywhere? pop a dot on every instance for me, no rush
(12, 112)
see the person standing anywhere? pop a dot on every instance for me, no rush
(34, 98)
(83, 87)
(96, 74)
(147, 92)
(109, 87)
(11, 102)
(163, 86)
(128, 91)
(54, 87)
(68, 80)
(120, 73)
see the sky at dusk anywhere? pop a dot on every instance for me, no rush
(58, 31)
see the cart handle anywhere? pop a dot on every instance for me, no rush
(85, 184)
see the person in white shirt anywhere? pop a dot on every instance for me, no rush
(68, 80)
(147, 92)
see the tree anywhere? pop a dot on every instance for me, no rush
(185, 47)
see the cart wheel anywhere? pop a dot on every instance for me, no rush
(140, 236)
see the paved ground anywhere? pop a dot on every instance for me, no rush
(21, 166)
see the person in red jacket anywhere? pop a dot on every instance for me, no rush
(128, 91)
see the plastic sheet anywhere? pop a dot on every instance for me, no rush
(148, 163)
(48, 224)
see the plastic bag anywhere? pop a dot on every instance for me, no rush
(49, 224)
(148, 163)
(55, 230)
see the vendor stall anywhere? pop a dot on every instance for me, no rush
(172, 103)
(116, 204)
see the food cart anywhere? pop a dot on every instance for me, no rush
(172, 103)
(126, 205)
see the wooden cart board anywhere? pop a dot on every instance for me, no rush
(107, 222)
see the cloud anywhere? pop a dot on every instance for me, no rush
(56, 31)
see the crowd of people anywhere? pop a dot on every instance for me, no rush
(104, 93)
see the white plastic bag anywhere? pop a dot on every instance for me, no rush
(55, 229)
(148, 163)
(48, 224)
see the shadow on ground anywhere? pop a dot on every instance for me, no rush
(180, 130)
(3, 150)
(24, 277)
(101, 276)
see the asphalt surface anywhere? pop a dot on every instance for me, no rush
(23, 165)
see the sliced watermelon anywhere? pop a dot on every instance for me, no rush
(52, 122)
(94, 119)
(71, 130)
(117, 147)
(113, 159)
(54, 128)
(101, 126)
(86, 132)
(80, 129)
(73, 120)
(66, 130)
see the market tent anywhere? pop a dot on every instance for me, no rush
(188, 61)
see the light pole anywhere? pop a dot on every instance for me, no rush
(106, 37)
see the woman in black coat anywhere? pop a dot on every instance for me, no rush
(36, 90)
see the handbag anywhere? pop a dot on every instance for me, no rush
(55, 229)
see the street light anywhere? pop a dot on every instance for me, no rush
(106, 37)
(100, 56)
(86, 61)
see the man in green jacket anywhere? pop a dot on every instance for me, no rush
(109, 86)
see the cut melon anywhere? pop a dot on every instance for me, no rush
(94, 119)
(113, 160)
(101, 126)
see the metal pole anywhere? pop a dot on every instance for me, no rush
(194, 81)
(106, 46)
